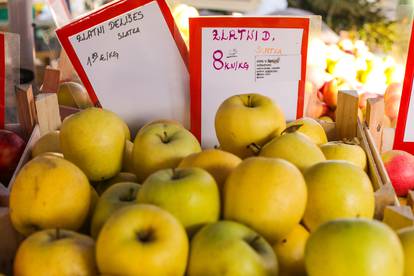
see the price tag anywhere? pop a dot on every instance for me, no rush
(404, 133)
(132, 60)
(231, 55)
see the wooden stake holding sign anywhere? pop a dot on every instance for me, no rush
(26, 108)
(51, 80)
(404, 133)
(132, 60)
(239, 55)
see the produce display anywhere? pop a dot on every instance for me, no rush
(274, 198)
(351, 65)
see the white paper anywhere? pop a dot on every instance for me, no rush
(135, 67)
(249, 60)
(409, 126)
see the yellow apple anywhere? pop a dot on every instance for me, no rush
(266, 194)
(146, 240)
(311, 128)
(290, 252)
(217, 162)
(94, 140)
(354, 247)
(345, 151)
(49, 192)
(114, 198)
(191, 195)
(245, 119)
(337, 189)
(296, 148)
(47, 143)
(161, 146)
(406, 236)
(160, 121)
(230, 248)
(56, 252)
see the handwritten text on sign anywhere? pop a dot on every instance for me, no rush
(134, 65)
(249, 60)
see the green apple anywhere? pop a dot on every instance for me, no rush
(191, 195)
(161, 146)
(230, 248)
(142, 240)
(354, 247)
(245, 119)
(121, 177)
(56, 252)
(94, 140)
(114, 198)
(406, 236)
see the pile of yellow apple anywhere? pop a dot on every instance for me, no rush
(273, 199)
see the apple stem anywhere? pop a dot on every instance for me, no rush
(175, 174)
(57, 233)
(292, 129)
(255, 148)
(131, 194)
(165, 137)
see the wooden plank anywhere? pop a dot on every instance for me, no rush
(51, 80)
(410, 199)
(388, 135)
(347, 114)
(384, 196)
(26, 109)
(374, 120)
(398, 217)
(377, 157)
(66, 69)
(372, 166)
(48, 115)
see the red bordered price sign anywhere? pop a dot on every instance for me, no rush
(237, 55)
(404, 135)
(132, 60)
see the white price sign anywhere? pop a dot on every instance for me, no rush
(132, 60)
(245, 55)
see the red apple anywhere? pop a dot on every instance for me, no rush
(392, 106)
(394, 88)
(330, 93)
(315, 107)
(11, 148)
(400, 168)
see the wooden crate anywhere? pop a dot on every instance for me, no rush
(348, 126)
